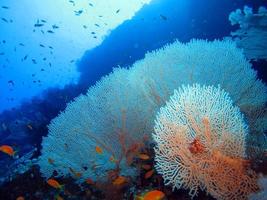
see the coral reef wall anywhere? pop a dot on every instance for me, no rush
(109, 116)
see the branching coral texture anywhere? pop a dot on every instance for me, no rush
(120, 109)
(200, 144)
(100, 118)
(252, 34)
(209, 63)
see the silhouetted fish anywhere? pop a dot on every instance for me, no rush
(4, 19)
(11, 82)
(25, 57)
(42, 20)
(97, 25)
(41, 45)
(5, 7)
(79, 12)
(49, 31)
(34, 61)
(21, 44)
(163, 17)
(84, 26)
(38, 25)
(55, 26)
(50, 47)
(90, 4)
(2, 53)
(118, 11)
(93, 33)
(73, 3)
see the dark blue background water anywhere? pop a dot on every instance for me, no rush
(156, 24)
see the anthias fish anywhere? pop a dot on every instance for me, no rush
(7, 149)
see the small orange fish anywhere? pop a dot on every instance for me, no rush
(149, 174)
(54, 183)
(119, 181)
(146, 167)
(89, 181)
(7, 149)
(51, 161)
(98, 150)
(20, 198)
(154, 195)
(143, 156)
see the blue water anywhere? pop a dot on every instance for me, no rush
(154, 25)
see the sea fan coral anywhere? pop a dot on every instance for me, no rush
(199, 61)
(102, 118)
(200, 144)
(209, 63)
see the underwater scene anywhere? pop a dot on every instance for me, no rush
(133, 99)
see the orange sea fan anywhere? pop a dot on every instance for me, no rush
(200, 140)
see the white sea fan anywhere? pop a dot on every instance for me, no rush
(108, 116)
(200, 143)
(199, 61)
